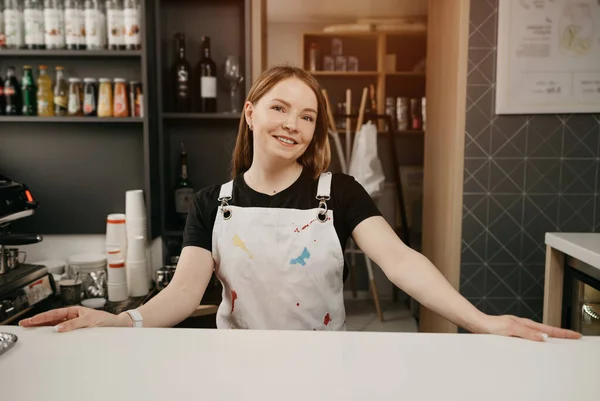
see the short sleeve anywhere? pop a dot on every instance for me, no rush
(201, 220)
(354, 201)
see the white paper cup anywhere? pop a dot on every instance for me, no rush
(136, 249)
(117, 292)
(117, 272)
(137, 281)
(135, 207)
(114, 254)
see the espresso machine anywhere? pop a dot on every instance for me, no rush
(22, 286)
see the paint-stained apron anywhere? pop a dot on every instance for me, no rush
(280, 268)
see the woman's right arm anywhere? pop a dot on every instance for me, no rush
(171, 306)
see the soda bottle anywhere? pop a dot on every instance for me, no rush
(61, 93)
(12, 93)
(45, 97)
(28, 87)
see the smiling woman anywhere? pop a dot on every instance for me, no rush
(275, 234)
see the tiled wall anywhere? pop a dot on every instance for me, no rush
(524, 175)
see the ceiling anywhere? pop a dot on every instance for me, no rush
(329, 11)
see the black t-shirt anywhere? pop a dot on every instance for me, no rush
(350, 203)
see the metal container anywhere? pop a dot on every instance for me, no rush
(70, 292)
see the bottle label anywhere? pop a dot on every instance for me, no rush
(92, 28)
(73, 104)
(61, 24)
(208, 87)
(73, 26)
(183, 199)
(61, 101)
(132, 26)
(52, 27)
(116, 27)
(13, 27)
(184, 173)
(1, 27)
(34, 27)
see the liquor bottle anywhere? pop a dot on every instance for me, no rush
(184, 190)
(207, 70)
(45, 97)
(61, 93)
(29, 92)
(12, 93)
(181, 77)
(2, 99)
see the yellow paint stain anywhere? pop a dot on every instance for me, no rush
(237, 241)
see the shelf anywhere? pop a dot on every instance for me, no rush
(69, 53)
(405, 74)
(203, 116)
(66, 119)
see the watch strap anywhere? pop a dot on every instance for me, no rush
(136, 316)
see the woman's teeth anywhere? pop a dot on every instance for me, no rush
(288, 141)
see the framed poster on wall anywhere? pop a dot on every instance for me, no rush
(548, 58)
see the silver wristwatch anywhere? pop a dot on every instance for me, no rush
(136, 317)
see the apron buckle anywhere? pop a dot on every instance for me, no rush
(322, 214)
(225, 211)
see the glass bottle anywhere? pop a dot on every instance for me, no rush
(132, 18)
(28, 89)
(45, 98)
(207, 70)
(33, 15)
(54, 24)
(95, 25)
(12, 93)
(61, 93)
(184, 190)
(13, 24)
(74, 25)
(181, 77)
(2, 40)
(75, 97)
(115, 24)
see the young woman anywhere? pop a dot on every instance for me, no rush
(275, 234)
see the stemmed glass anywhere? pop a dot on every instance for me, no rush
(233, 76)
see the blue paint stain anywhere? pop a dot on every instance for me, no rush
(301, 260)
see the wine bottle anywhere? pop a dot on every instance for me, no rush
(207, 70)
(184, 190)
(181, 77)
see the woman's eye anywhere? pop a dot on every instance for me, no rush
(308, 118)
(277, 108)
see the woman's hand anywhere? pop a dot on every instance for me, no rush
(76, 317)
(513, 326)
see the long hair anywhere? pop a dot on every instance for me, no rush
(317, 156)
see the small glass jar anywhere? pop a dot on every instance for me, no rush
(54, 24)
(13, 24)
(133, 30)
(120, 98)
(75, 97)
(115, 24)
(74, 25)
(105, 98)
(90, 97)
(33, 15)
(95, 25)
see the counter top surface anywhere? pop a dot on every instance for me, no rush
(190, 364)
(582, 246)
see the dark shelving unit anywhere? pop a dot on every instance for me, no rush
(79, 168)
(208, 137)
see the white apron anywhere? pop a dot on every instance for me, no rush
(280, 268)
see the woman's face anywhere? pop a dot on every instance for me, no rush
(283, 121)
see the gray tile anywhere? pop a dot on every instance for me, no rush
(473, 228)
(511, 204)
(542, 176)
(502, 281)
(478, 118)
(531, 308)
(576, 213)
(507, 175)
(544, 136)
(503, 246)
(481, 66)
(477, 205)
(582, 134)
(476, 175)
(532, 281)
(509, 136)
(506, 306)
(479, 147)
(480, 11)
(473, 252)
(540, 216)
(472, 280)
(578, 176)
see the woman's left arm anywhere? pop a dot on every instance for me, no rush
(414, 274)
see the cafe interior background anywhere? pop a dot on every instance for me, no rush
(479, 189)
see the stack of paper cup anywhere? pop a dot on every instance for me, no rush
(137, 267)
(116, 233)
(117, 281)
(135, 209)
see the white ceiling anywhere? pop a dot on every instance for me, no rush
(329, 11)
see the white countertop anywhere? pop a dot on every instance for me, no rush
(582, 246)
(195, 364)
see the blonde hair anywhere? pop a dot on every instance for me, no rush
(317, 156)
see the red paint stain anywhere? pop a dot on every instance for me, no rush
(315, 241)
(233, 298)
(327, 319)
(297, 304)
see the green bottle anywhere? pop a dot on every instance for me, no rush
(184, 190)
(29, 92)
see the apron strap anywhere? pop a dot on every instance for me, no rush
(226, 191)
(324, 187)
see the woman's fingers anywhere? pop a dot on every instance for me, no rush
(519, 329)
(72, 324)
(51, 317)
(550, 330)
